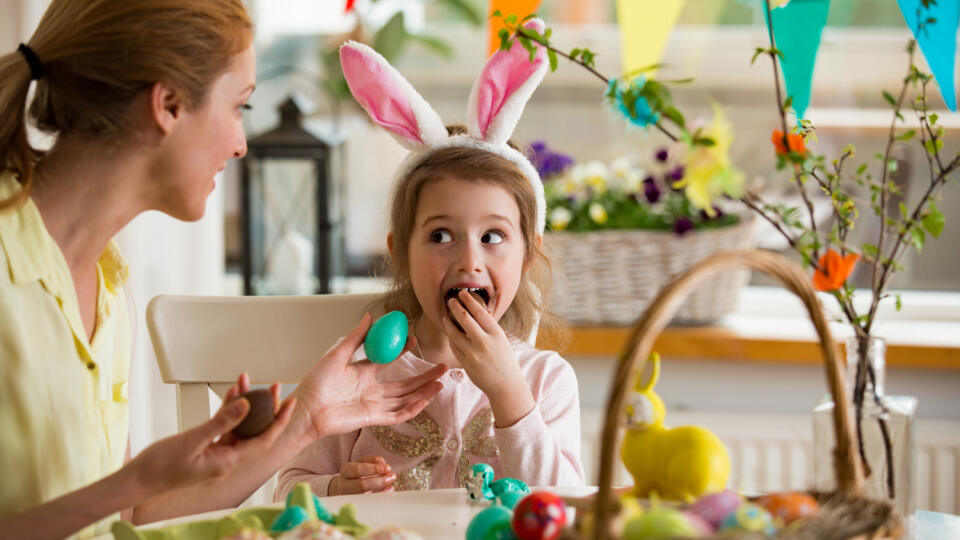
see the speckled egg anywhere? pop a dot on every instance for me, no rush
(658, 524)
(491, 523)
(715, 507)
(291, 517)
(539, 516)
(315, 530)
(386, 338)
(789, 506)
(749, 517)
(393, 533)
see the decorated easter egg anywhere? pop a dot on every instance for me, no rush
(260, 415)
(658, 524)
(314, 530)
(539, 516)
(749, 517)
(289, 519)
(715, 507)
(492, 523)
(248, 534)
(699, 524)
(504, 485)
(393, 533)
(386, 338)
(789, 506)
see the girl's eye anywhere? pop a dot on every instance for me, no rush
(246, 107)
(441, 236)
(492, 237)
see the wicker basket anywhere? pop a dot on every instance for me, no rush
(611, 276)
(844, 513)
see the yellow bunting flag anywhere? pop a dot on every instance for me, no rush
(645, 26)
(520, 8)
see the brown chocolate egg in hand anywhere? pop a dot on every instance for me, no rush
(261, 415)
(479, 294)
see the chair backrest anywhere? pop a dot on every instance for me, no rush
(203, 342)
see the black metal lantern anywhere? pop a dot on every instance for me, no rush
(292, 240)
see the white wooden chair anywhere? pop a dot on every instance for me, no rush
(203, 342)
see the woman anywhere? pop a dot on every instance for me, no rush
(144, 98)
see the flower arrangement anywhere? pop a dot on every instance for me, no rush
(624, 194)
(826, 250)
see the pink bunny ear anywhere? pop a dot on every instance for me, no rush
(503, 89)
(389, 99)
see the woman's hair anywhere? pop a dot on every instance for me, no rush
(473, 165)
(97, 55)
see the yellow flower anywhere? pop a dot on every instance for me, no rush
(598, 213)
(708, 173)
(560, 218)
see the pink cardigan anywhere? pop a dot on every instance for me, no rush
(455, 431)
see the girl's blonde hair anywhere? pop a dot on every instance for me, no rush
(475, 165)
(97, 55)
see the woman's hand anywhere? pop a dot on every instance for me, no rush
(208, 451)
(339, 396)
(485, 353)
(367, 474)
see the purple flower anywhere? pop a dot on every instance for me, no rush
(676, 174)
(547, 162)
(682, 225)
(651, 190)
(662, 155)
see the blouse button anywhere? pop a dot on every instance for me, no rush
(457, 375)
(91, 366)
(452, 444)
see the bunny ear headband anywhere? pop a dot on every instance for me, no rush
(496, 101)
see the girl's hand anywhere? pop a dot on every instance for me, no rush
(338, 396)
(367, 474)
(484, 351)
(208, 451)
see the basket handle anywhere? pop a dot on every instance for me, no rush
(847, 466)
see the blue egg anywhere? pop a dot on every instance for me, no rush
(386, 338)
(289, 518)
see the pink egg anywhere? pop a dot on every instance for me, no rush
(699, 524)
(713, 508)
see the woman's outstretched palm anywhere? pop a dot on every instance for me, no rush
(341, 396)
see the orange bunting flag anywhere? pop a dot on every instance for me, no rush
(520, 8)
(837, 267)
(794, 141)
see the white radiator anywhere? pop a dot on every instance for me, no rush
(774, 453)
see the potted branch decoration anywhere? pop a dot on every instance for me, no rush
(883, 433)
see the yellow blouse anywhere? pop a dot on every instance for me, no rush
(64, 417)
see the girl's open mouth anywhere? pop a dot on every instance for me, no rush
(479, 293)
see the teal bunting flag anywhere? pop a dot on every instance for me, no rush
(938, 39)
(797, 27)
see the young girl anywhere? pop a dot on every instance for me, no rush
(466, 231)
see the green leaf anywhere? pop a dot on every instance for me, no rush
(933, 221)
(552, 56)
(587, 57)
(674, 115)
(869, 250)
(496, 13)
(466, 11)
(889, 97)
(933, 118)
(899, 301)
(903, 211)
(433, 43)
(575, 53)
(510, 19)
(788, 103)
(918, 237)
(389, 40)
(907, 135)
(757, 52)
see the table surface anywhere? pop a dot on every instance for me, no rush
(443, 514)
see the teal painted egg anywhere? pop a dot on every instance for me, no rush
(289, 518)
(504, 485)
(491, 523)
(659, 524)
(386, 338)
(510, 498)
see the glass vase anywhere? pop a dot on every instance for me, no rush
(884, 418)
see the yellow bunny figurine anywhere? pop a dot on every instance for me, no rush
(681, 463)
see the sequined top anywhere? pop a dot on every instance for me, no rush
(455, 431)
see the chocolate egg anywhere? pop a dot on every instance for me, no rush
(789, 506)
(386, 338)
(261, 414)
